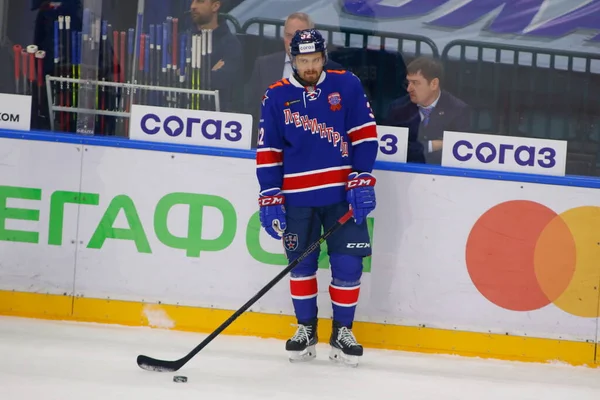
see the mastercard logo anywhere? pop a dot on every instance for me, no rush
(523, 256)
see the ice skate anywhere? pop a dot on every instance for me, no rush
(302, 346)
(344, 347)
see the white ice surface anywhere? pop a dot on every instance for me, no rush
(65, 360)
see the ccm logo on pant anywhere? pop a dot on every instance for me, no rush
(358, 245)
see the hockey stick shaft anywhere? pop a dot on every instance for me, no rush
(175, 59)
(150, 64)
(115, 78)
(182, 75)
(61, 27)
(24, 68)
(67, 55)
(147, 93)
(17, 53)
(40, 55)
(152, 364)
(31, 50)
(122, 61)
(104, 73)
(74, 44)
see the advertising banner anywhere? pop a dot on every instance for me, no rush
(15, 112)
(504, 153)
(39, 193)
(191, 127)
(448, 252)
(393, 143)
(559, 25)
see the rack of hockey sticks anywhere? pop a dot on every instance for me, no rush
(139, 64)
(119, 107)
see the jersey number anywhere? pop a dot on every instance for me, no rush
(261, 137)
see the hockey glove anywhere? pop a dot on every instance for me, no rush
(272, 212)
(360, 194)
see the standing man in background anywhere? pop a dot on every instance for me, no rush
(47, 13)
(43, 38)
(227, 56)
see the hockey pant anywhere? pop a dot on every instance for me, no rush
(346, 248)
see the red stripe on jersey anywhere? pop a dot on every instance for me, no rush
(268, 157)
(316, 179)
(301, 287)
(367, 132)
(344, 296)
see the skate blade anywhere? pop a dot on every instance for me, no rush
(339, 357)
(310, 353)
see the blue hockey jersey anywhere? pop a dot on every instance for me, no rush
(311, 138)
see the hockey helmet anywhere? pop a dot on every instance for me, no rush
(308, 41)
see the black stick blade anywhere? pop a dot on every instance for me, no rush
(152, 364)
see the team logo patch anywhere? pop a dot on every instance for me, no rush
(290, 241)
(264, 98)
(335, 101)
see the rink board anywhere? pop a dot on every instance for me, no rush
(167, 236)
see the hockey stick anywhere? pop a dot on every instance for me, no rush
(152, 364)
(17, 51)
(181, 71)
(175, 59)
(67, 66)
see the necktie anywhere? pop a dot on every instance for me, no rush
(426, 113)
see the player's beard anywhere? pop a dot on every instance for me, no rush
(200, 19)
(311, 77)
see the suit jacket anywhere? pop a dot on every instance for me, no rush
(450, 114)
(268, 69)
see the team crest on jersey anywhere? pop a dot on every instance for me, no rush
(290, 241)
(265, 98)
(335, 101)
(313, 95)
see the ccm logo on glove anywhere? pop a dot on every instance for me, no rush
(360, 194)
(270, 201)
(361, 182)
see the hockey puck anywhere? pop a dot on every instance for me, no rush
(180, 379)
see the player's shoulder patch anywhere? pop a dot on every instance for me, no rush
(337, 71)
(279, 83)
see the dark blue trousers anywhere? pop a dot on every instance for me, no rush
(346, 249)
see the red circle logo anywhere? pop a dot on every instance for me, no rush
(522, 256)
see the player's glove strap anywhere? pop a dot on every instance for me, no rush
(272, 212)
(360, 194)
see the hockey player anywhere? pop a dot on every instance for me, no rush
(317, 144)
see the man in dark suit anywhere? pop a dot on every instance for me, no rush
(226, 56)
(272, 67)
(428, 110)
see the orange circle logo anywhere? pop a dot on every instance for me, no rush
(522, 256)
